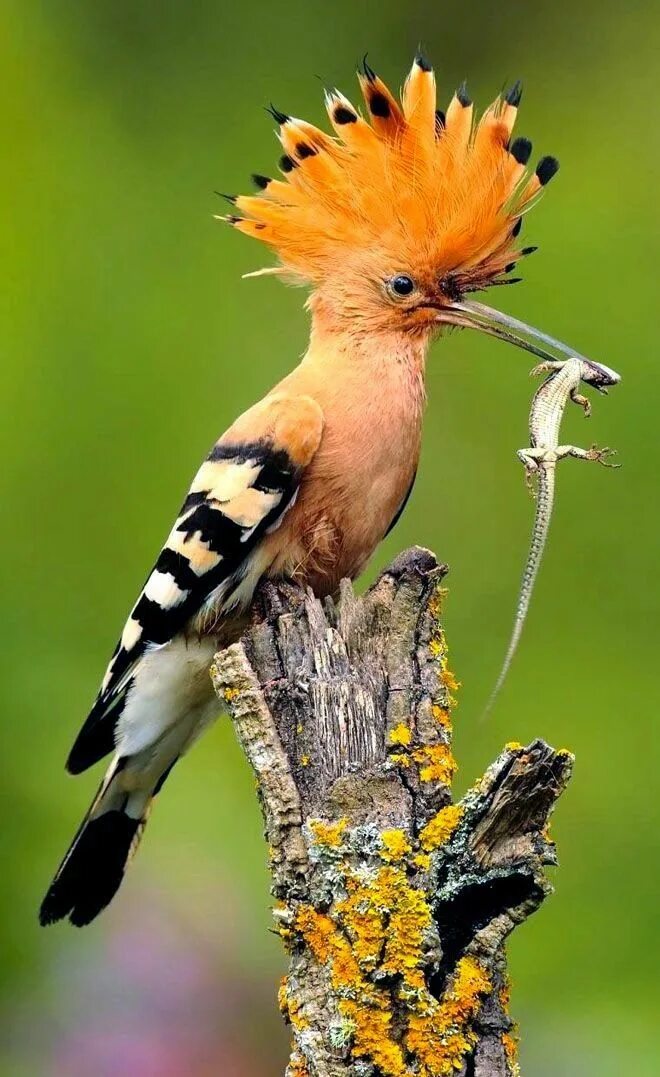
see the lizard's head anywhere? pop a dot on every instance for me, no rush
(395, 219)
(599, 376)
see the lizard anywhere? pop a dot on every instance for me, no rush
(540, 460)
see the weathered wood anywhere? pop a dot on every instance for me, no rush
(393, 902)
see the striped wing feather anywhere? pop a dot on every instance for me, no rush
(241, 491)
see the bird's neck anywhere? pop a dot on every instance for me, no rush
(384, 363)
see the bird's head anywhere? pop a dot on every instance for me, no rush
(394, 220)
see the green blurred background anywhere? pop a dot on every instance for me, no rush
(129, 342)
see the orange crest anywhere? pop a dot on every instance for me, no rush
(410, 188)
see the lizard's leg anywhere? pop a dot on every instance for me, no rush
(594, 453)
(585, 404)
(547, 367)
(530, 459)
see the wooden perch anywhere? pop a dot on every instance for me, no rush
(393, 902)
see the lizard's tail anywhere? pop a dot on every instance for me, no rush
(542, 517)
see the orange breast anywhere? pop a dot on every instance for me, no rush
(362, 470)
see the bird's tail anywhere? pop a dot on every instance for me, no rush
(93, 868)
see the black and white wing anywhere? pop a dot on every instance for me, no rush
(241, 492)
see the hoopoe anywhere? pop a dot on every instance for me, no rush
(391, 221)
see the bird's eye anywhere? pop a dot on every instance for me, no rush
(400, 286)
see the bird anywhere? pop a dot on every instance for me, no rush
(390, 221)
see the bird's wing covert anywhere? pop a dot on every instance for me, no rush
(241, 491)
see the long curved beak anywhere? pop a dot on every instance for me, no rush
(468, 314)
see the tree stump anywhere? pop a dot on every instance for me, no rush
(393, 902)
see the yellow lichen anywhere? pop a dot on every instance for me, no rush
(510, 1045)
(441, 827)
(436, 763)
(328, 944)
(366, 1009)
(380, 930)
(230, 693)
(299, 1022)
(385, 918)
(304, 760)
(282, 999)
(436, 601)
(283, 926)
(395, 845)
(513, 746)
(449, 680)
(409, 919)
(399, 759)
(297, 1066)
(422, 861)
(380, 924)
(442, 716)
(290, 1007)
(441, 1037)
(400, 735)
(326, 833)
(372, 1037)
(510, 1039)
(364, 924)
(438, 650)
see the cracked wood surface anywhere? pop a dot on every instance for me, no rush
(393, 902)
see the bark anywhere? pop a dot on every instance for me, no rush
(393, 902)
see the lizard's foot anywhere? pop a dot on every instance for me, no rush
(530, 474)
(601, 456)
(585, 404)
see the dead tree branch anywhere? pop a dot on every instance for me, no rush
(393, 902)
